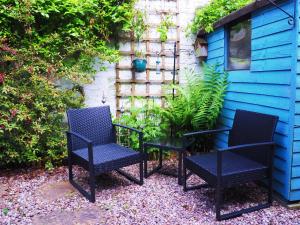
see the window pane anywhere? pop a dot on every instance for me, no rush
(239, 55)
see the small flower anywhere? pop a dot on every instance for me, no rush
(5, 48)
(13, 112)
(2, 75)
(2, 126)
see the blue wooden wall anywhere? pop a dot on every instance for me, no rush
(295, 174)
(268, 87)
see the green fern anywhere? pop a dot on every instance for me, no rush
(198, 103)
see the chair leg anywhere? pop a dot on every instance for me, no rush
(70, 167)
(184, 177)
(92, 186)
(131, 178)
(219, 200)
(141, 173)
(90, 196)
(146, 162)
(270, 188)
(160, 157)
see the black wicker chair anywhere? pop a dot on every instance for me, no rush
(249, 157)
(92, 145)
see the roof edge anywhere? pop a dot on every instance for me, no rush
(237, 14)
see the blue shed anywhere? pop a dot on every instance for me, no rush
(259, 46)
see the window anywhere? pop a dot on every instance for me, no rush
(239, 46)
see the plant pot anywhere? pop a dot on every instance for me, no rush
(139, 65)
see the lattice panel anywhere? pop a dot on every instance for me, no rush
(149, 85)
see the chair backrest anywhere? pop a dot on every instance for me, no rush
(252, 127)
(93, 123)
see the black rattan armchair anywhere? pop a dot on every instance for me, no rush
(92, 145)
(249, 157)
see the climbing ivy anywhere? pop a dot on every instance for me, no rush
(206, 16)
(47, 52)
(164, 27)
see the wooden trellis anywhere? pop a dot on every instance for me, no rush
(133, 81)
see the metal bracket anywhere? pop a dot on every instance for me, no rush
(291, 20)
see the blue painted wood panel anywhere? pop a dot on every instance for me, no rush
(278, 39)
(265, 77)
(295, 176)
(268, 87)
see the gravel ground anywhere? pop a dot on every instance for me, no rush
(159, 201)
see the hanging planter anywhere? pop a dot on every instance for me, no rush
(139, 63)
(139, 27)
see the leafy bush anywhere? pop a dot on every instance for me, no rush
(31, 115)
(147, 118)
(198, 103)
(206, 16)
(44, 43)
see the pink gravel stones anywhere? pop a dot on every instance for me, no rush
(118, 201)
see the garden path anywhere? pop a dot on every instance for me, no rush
(38, 197)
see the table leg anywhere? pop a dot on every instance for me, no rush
(155, 169)
(145, 163)
(180, 156)
(160, 157)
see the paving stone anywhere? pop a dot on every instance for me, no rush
(3, 190)
(53, 191)
(88, 216)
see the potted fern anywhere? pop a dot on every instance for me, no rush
(139, 27)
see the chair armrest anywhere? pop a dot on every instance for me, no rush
(140, 133)
(129, 128)
(247, 146)
(206, 132)
(72, 133)
(86, 140)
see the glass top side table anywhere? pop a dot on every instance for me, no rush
(179, 145)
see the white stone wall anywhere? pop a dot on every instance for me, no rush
(104, 82)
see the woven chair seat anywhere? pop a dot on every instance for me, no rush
(232, 164)
(109, 156)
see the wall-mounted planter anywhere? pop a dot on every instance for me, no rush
(139, 65)
(201, 50)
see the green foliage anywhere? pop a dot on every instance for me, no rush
(138, 24)
(147, 118)
(44, 44)
(198, 103)
(140, 54)
(196, 106)
(5, 211)
(68, 34)
(164, 27)
(206, 16)
(31, 114)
